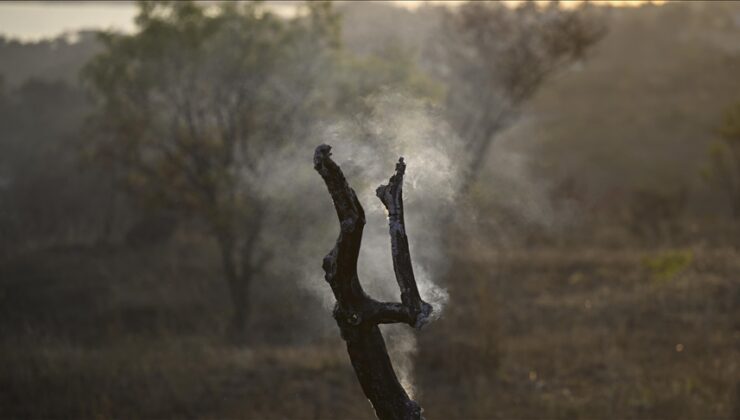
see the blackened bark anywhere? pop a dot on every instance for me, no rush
(357, 314)
(392, 198)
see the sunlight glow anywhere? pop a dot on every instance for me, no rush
(32, 21)
(414, 4)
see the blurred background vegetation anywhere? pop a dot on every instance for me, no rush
(145, 254)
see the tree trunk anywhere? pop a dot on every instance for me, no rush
(239, 290)
(480, 145)
(357, 314)
(238, 286)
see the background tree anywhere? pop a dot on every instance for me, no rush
(56, 202)
(724, 167)
(495, 58)
(192, 103)
(135, 331)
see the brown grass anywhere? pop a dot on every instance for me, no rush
(534, 333)
(591, 334)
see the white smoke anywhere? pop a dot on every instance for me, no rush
(367, 149)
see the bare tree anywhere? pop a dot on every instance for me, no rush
(497, 57)
(357, 314)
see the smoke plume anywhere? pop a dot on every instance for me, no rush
(367, 148)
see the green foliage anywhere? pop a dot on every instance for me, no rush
(190, 103)
(667, 265)
(193, 107)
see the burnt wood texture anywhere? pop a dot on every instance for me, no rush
(356, 313)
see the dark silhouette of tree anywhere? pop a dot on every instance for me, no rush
(357, 314)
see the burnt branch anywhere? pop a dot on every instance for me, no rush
(392, 197)
(357, 314)
(340, 264)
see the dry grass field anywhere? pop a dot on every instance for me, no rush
(576, 170)
(588, 333)
(539, 333)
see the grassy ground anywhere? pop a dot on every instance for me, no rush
(590, 334)
(530, 334)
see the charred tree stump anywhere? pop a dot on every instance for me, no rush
(357, 314)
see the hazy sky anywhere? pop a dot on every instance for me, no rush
(35, 20)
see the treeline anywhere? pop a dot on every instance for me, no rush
(121, 138)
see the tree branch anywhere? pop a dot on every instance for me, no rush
(358, 315)
(340, 264)
(392, 197)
